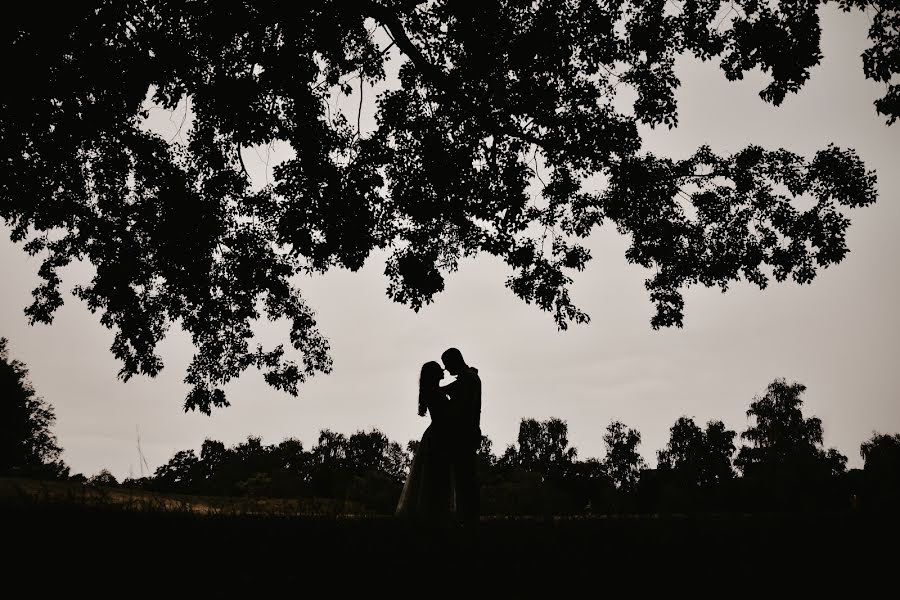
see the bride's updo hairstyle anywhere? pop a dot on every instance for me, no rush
(429, 380)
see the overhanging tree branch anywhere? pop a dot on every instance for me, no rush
(433, 74)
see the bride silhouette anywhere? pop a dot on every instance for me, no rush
(428, 493)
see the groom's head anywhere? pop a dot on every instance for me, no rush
(453, 361)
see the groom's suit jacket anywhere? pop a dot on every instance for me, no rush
(465, 407)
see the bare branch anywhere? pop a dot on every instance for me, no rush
(359, 113)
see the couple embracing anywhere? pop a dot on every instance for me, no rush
(442, 482)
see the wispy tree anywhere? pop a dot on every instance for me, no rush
(27, 446)
(781, 440)
(881, 471)
(623, 463)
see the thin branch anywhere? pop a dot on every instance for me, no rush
(386, 48)
(611, 72)
(685, 195)
(359, 113)
(241, 160)
(725, 16)
(187, 100)
(389, 19)
(536, 171)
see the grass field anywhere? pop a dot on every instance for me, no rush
(30, 492)
(157, 547)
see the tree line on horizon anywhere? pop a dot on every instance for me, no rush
(782, 464)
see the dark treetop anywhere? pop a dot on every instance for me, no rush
(492, 97)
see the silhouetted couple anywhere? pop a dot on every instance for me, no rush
(442, 482)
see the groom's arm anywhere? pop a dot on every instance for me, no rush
(452, 387)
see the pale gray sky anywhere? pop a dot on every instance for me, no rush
(839, 335)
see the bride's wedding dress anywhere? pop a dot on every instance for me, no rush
(428, 493)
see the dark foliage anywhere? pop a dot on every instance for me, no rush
(693, 469)
(697, 457)
(104, 479)
(623, 463)
(27, 447)
(540, 474)
(881, 475)
(492, 97)
(785, 464)
(366, 467)
(784, 468)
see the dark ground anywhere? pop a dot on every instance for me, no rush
(114, 552)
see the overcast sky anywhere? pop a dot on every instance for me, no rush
(838, 336)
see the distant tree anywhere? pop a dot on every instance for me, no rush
(543, 448)
(367, 467)
(104, 478)
(492, 100)
(696, 457)
(509, 459)
(782, 439)
(486, 457)
(179, 474)
(784, 465)
(623, 464)
(397, 462)
(881, 471)
(209, 473)
(720, 452)
(27, 447)
(213, 453)
(138, 483)
(290, 458)
(591, 486)
(411, 447)
(533, 475)
(835, 462)
(377, 469)
(881, 454)
(252, 455)
(331, 449)
(290, 471)
(684, 452)
(249, 467)
(373, 451)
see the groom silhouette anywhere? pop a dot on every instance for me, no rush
(465, 432)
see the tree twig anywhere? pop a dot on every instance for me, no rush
(359, 113)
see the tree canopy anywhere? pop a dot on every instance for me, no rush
(493, 100)
(623, 462)
(698, 457)
(543, 447)
(782, 441)
(882, 469)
